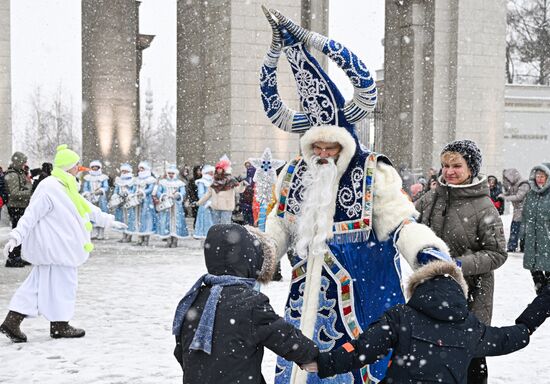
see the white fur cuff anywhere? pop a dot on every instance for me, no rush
(413, 238)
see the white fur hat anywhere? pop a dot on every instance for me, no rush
(145, 165)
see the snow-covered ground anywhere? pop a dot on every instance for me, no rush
(126, 299)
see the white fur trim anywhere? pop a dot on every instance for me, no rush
(413, 238)
(126, 167)
(330, 134)
(391, 205)
(95, 163)
(278, 229)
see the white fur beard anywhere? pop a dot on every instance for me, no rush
(316, 216)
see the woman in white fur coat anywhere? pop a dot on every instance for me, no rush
(55, 237)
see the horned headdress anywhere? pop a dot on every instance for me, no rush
(322, 102)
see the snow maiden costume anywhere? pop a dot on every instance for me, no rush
(171, 193)
(204, 213)
(144, 210)
(94, 189)
(124, 187)
(345, 281)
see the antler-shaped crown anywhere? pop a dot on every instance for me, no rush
(322, 102)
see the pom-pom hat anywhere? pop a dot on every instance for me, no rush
(469, 151)
(65, 158)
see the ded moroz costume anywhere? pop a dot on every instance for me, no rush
(350, 229)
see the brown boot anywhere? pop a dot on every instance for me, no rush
(62, 329)
(10, 327)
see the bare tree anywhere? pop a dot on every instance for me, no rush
(528, 41)
(48, 125)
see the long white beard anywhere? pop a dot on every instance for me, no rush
(316, 216)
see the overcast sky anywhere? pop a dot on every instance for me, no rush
(46, 41)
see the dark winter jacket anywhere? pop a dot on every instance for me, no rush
(466, 219)
(494, 193)
(516, 189)
(18, 187)
(245, 322)
(433, 336)
(536, 223)
(3, 190)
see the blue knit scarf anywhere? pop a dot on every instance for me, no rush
(203, 335)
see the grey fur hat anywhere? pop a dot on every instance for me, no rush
(469, 151)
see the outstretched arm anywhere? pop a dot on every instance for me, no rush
(277, 227)
(281, 337)
(371, 345)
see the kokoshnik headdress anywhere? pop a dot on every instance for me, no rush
(322, 105)
(322, 102)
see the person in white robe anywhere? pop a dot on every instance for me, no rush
(55, 236)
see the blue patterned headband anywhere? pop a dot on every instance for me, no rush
(322, 102)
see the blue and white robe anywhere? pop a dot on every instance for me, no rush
(204, 213)
(125, 187)
(335, 298)
(90, 185)
(172, 220)
(145, 214)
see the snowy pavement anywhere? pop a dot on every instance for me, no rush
(126, 299)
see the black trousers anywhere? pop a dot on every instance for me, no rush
(477, 371)
(541, 279)
(15, 215)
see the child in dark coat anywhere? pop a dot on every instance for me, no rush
(223, 323)
(433, 336)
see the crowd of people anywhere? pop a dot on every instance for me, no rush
(149, 205)
(339, 213)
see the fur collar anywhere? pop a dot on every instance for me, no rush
(270, 259)
(434, 269)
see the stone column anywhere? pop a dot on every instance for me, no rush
(221, 47)
(444, 79)
(110, 114)
(5, 85)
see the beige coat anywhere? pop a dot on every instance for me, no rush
(223, 200)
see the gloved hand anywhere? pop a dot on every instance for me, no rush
(99, 192)
(536, 312)
(10, 245)
(123, 194)
(176, 196)
(118, 225)
(430, 254)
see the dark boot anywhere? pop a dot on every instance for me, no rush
(140, 241)
(15, 262)
(10, 327)
(62, 329)
(174, 242)
(146, 240)
(168, 242)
